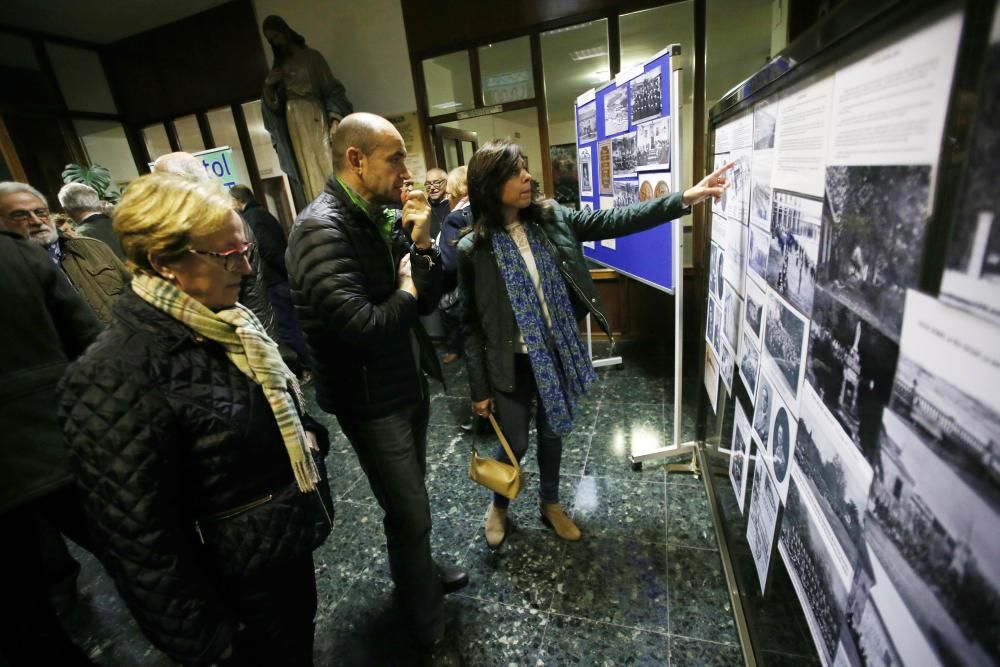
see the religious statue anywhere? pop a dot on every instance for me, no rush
(302, 105)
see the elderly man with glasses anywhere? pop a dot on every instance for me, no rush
(91, 266)
(436, 187)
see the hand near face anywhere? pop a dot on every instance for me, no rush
(712, 186)
(417, 217)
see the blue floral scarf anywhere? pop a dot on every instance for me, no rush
(563, 370)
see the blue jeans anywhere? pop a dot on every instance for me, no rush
(288, 327)
(513, 413)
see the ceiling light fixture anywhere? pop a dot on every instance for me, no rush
(587, 54)
(447, 105)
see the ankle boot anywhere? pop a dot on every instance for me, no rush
(555, 518)
(496, 526)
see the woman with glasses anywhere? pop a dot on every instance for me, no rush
(200, 475)
(524, 287)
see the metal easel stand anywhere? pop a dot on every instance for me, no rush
(599, 363)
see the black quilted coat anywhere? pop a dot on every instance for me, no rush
(164, 430)
(343, 277)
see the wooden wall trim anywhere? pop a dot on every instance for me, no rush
(9, 154)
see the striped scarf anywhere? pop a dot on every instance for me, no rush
(248, 346)
(562, 368)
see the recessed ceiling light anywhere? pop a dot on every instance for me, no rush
(447, 105)
(586, 54)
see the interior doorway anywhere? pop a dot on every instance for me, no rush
(454, 147)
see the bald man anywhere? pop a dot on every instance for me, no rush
(359, 289)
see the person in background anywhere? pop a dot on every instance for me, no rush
(371, 352)
(271, 245)
(525, 285)
(196, 467)
(90, 265)
(436, 187)
(82, 203)
(457, 221)
(45, 325)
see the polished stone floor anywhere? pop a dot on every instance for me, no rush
(644, 586)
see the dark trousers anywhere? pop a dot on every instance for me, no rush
(288, 326)
(392, 450)
(513, 413)
(451, 321)
(30, 632)
(277, 610)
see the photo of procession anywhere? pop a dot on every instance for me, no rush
(794, 247)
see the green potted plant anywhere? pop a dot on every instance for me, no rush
(95, 176)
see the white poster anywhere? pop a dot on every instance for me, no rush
(733, 269)
(934, 506)
(739, 457)
(740, 131)
(801, 134)
(732, 311)
(762, 521)
(748, 361)
(727, 365)
(719, 205)
(711, 377)
(737, 206)
(586, 175)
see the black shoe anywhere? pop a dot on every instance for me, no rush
(442, 653)
(452, 578)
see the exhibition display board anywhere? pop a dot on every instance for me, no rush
(863, 382)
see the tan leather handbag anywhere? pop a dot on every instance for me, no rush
(497, 476)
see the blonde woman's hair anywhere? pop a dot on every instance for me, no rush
(160, 213)
(458, 185)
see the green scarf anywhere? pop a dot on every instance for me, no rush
(248, 346)
(388, 215)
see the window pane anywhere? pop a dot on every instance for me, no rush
(520, 126)
(156, 140)
(646, 33)
(449, 84)
(574, 60)
(21, 74)
(224, 133)
(737, 43)
(189, 134)
(107, 146)
(505, 68)
(81, 78)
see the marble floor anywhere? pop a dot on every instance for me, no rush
(644, 586)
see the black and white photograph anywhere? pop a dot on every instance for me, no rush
(710, 325)
(736, 253)
(762, 410)
(781, 441)
(784, 349)
(754, 310)
(757, 251)
(719, 205)
(586, 178)
(817, 582)
(604, 167)
(623, 155)
(836, 473)
(760, 189)
(626, 193)
(972, 270)
(727, 365)
(647, 96)
(714, 333)
(653, 144)
(874, 219)
(749, 360)
(739, 457)
(714, 272)
(616, 111)
(731, 308)
(764, 120)
(762, 521)
(586, 206)
(878, 628)
(794, 247)
(850, 364)
(711, 378)
(738, 191)
(934, 508)
(565, 174)
(586, 122)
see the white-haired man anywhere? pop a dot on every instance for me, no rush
(90, 264)
(82, 203)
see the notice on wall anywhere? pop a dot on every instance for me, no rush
(762, 521)
(739, 457)
(711, 377)
(801, 134)
(889, 107)
(408, 125)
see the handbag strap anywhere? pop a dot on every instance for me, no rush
(503, 442)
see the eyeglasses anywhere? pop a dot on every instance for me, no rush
(435, 183)
(232, 260)
(21, 215)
